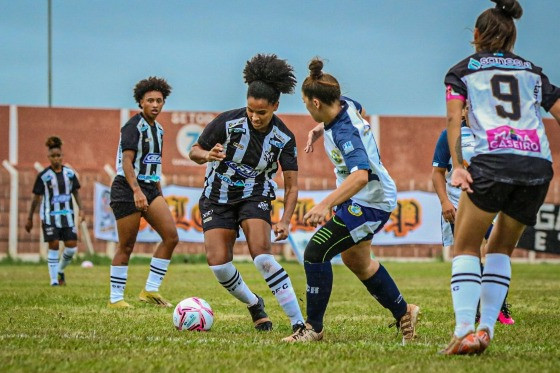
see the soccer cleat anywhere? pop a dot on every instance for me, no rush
(55, 284)
(61, 279)
(504, 317)
(259, 316)
(119, 304)
(407, 323)
(153, 297)
(483, 336)
(304, 333)
(297, 326)
(467, 345)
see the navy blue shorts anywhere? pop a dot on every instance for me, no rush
(362, 222)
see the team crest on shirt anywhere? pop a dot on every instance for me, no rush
(269, 156)
(275, 142)
(355, 210)
(336, 156)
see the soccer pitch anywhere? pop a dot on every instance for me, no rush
(71, 329)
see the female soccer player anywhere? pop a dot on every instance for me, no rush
(55, 185)
(449, 194)
(363, 201)
(508, 175)
(243, 148)
(136, 192)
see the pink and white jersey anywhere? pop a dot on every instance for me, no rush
(505, 93)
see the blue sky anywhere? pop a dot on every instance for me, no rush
(389, 55)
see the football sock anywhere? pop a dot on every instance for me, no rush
(279, 282)
(66, 258)
(119, 275)
(158, 269)
(384, 289)
(465, 292)
(230, 278)
(495, 284)
(319, 287)
(52, 262)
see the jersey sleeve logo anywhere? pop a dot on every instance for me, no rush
(347, 147)
(506, 137)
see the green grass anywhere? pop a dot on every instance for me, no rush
(71, 329)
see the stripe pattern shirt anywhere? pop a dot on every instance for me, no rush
(505, 94)
(56, 188)
(252, 157)
(146, 141)
(350, 146)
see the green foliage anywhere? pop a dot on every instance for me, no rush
(71, 329)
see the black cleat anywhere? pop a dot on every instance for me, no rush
(61, 279)
(298, 326)
(259, 316)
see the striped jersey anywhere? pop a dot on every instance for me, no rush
(350, 146)
(442, 159)
(505, 93)
(251, 160)
(56, 188)
(146, 141)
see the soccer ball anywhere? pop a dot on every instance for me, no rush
(193, 314)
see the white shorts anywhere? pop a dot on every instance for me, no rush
(446, 233)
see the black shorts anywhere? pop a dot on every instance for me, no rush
(122, 196)
(230, 215)
(52, 233)
(521, 202)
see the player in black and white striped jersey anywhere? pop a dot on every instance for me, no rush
(242, 149)
(136, 193)
(55, 185)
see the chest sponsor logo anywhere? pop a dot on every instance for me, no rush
(506, 137)
(347, 147)
(276, 142)
(236, 130)
(149, 178)
(61, 198)
(242, 169)
(227, 180)
(238, 145)
(61, 212)
(152, 158)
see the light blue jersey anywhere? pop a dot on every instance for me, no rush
(350, 146)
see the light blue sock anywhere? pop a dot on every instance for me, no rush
(465, 292)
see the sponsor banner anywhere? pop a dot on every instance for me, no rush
(545, 235)
(416, 220)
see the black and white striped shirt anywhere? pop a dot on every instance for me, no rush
(146, 141)
(251, 160)
(56, 188)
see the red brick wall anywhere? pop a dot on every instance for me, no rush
(4, 132)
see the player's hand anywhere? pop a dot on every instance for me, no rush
(29, 225)
(313, 135)
(461, 178)
(216, 153)
(448, 211)
(140, 201)
(281, 231)
(317, 215)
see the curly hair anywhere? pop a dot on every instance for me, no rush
(268, 77)
(54, 142)
(320, 85)
(496, 27)
(153, 83)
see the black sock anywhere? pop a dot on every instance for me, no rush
(319, 287)
(384, 289)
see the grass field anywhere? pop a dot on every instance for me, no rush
(71, 329)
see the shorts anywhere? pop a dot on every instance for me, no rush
(122, 196)
(52, 233)
(520, 202)
(362, 222)
(230, 215)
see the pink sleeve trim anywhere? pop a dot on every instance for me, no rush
(450, 94)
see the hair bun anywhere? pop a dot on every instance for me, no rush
(53, 142)
(510, 7)
(315, 68)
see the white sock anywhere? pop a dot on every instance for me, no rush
(66, 258)
(52, 262)
(119, 275)
(158, 269)
(465, 292)
(231, 279)
(495, 285)
(279, 282)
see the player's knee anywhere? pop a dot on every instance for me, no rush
(314, 253)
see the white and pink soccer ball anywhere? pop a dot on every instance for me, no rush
(193, 314)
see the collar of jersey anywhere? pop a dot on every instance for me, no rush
(343, 108)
